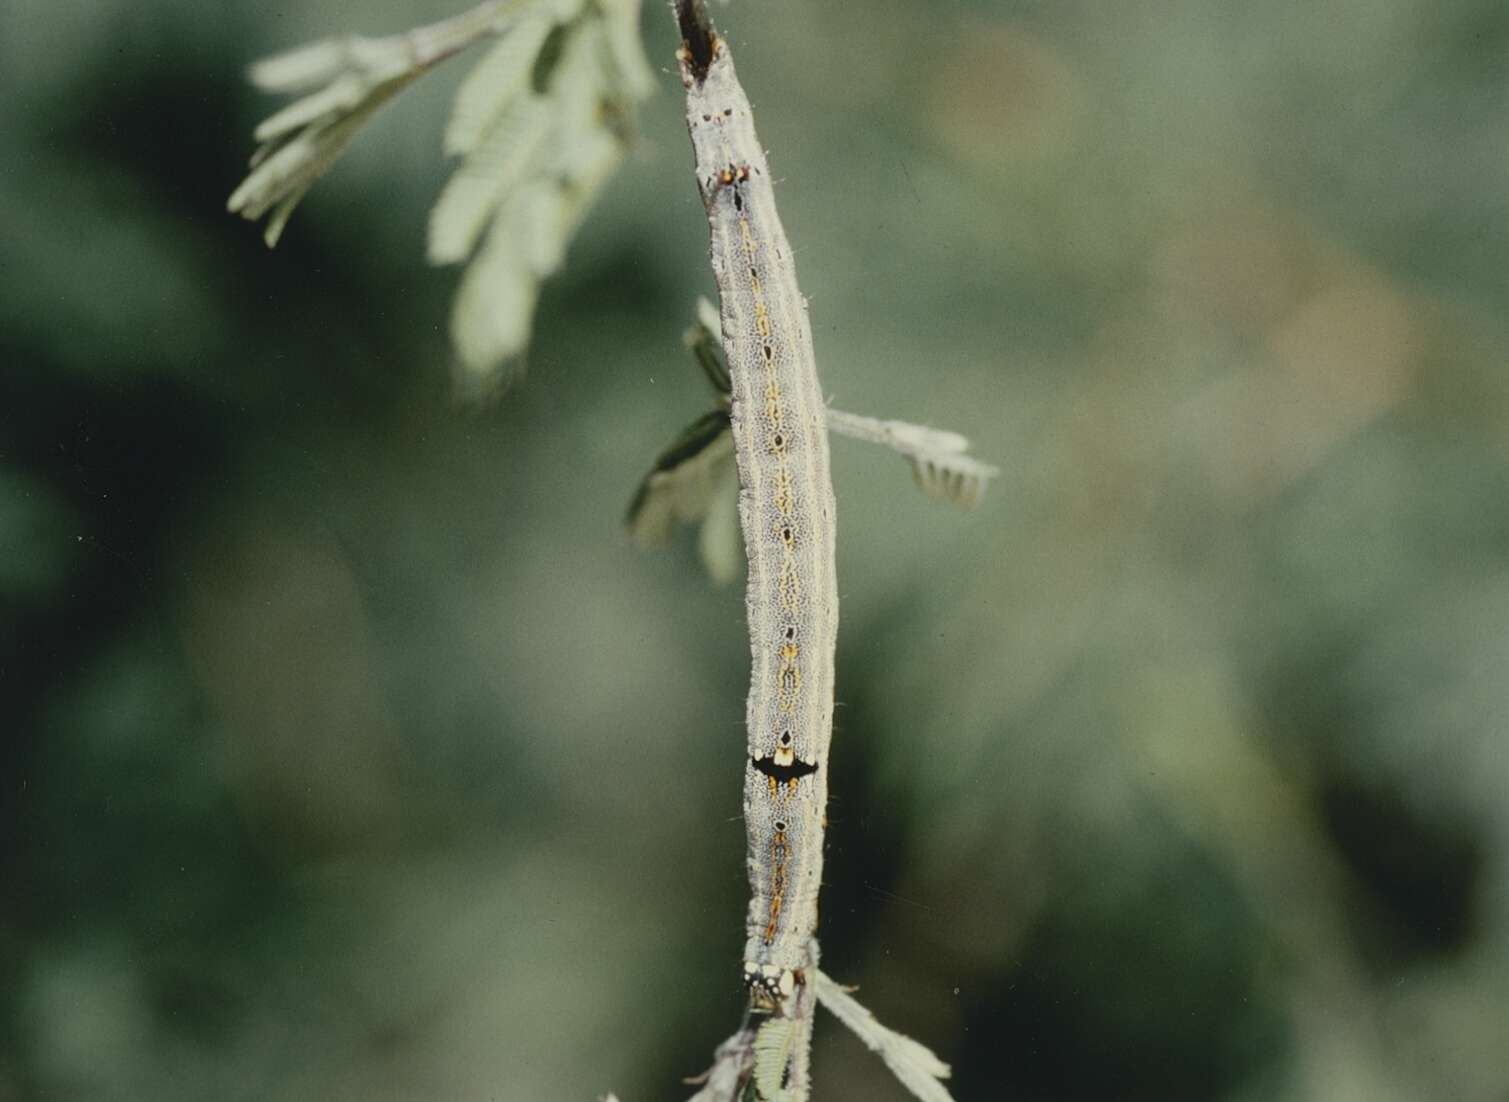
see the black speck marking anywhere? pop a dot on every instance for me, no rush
(783, 773)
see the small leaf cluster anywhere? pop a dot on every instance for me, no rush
(540, 124)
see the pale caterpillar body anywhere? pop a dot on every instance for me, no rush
(787, 514)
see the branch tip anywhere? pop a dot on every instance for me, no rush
(697, 35)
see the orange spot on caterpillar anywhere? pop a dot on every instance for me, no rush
(775, 918)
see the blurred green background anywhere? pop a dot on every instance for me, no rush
(352, 753)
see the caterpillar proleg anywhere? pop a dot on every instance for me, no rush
(786, 511)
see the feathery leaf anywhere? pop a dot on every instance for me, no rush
(941, 466)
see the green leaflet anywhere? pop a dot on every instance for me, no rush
(494, 307)
(483, 183)
(534, 171)
(491, 86)
(685, 486)
(694, 480)
(773, 1047)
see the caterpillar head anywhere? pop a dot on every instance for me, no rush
(769, 985)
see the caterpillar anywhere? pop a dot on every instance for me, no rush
(787, 514)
